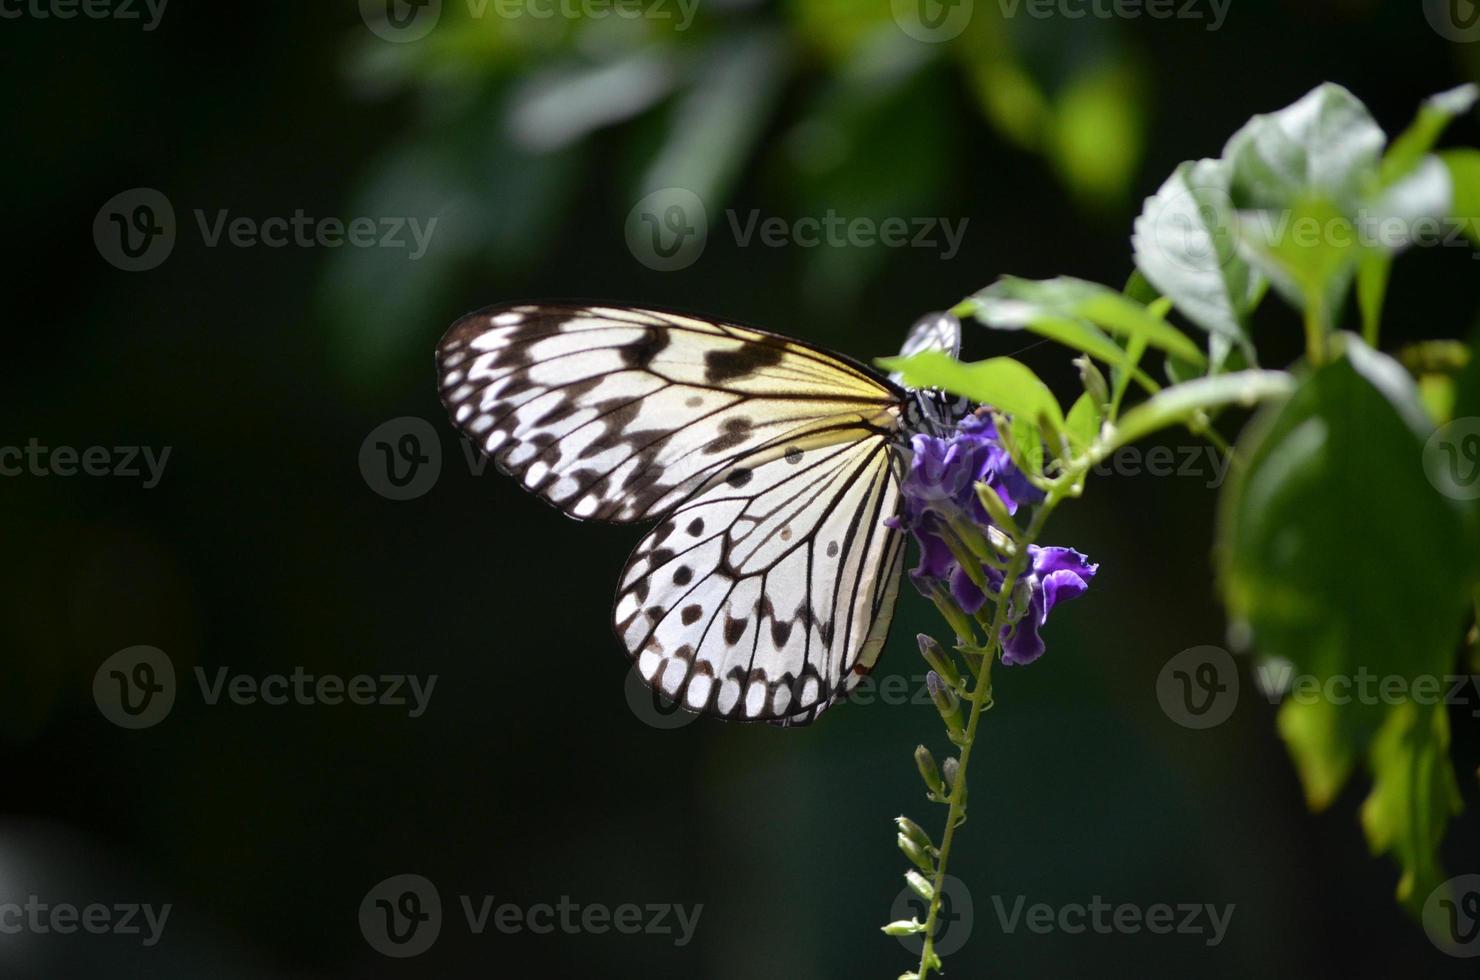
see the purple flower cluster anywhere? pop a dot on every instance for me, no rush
(940, 490)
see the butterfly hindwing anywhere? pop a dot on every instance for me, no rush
(770, 600)
(618, 414)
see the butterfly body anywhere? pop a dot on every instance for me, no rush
(766, 589)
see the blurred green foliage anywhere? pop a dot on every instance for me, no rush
(831, 100)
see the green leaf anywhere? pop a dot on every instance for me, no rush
(1308, 251)
(1415, 186)
(1082, 424)
(1177, 404)
(1012, 303)
(1325, 145)
(1341, 559)
(1185, 241)
(1001, 382)
(1414, 794)
(1139, 288)
(1464, 175)
(1434, 116)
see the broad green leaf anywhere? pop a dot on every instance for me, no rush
(1414, 143)
(1422, 194)
(1013, 303)
(1325, 145)
(1177, 404)
(1341, 559)
(1414, 186)
(1464, 174)
(1005, 384)
(1466, 435)
(1309, 252)
(1185, 242)
(1414, 795)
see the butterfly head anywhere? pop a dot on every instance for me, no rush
(933, 412)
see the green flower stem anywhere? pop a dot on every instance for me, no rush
(981, 699)
(1315, 331)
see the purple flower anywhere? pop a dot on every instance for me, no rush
(940, 490)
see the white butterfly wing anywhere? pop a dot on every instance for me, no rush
(769, 600)
(618, 414)
(766, 590)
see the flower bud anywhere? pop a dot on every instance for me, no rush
(939, 661)
(925, 762)
(1094, 382)
(913, 831)
(996, 509)
(946, 702)
(951, 771)
(919, 885)
(904, 927)
(917, 854)
(960, 622)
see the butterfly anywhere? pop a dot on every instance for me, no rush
(770, 466)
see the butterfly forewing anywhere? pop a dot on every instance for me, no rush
(618, 414)
(766, 590)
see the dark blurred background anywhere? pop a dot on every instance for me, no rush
(270, 543)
